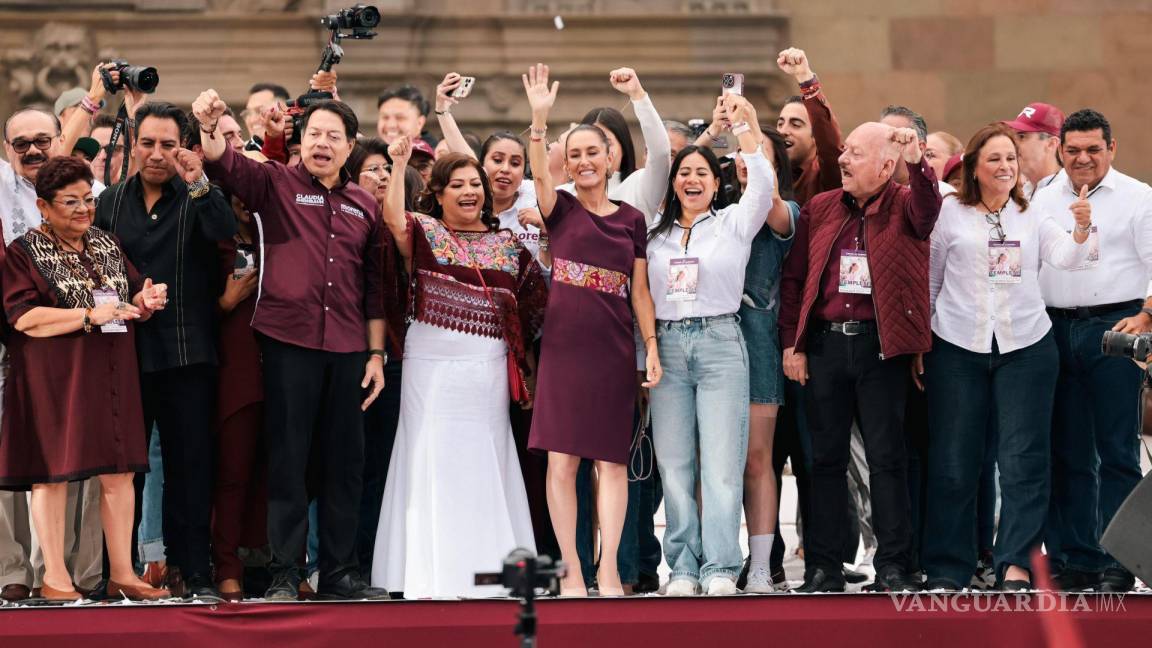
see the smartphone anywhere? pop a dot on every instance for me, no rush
(732, 83)
(245, 262)
(465, 87)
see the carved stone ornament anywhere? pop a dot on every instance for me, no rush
(59, 56)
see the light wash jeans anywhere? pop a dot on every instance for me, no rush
(705, 388)
(150, 536)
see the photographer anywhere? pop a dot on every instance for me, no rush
(321, 328)
(1097, 397)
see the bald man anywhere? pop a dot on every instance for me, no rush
(854, 312)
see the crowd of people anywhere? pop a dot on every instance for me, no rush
(277, 355)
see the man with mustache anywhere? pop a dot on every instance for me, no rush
(31, 137)
(168, 219)
(851, 345)
(1096, 422)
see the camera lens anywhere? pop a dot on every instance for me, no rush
(144, 79)
(368, 17)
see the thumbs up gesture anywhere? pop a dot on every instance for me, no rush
(1082, 210)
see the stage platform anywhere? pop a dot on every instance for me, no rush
(939, 621)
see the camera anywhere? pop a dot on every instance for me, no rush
(524, 572)
(697, 126)
(297, 107)
(134, 77)
(1126, 345)
(359, 20)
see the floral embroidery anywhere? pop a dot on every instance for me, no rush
(488, 250)
(589, 276)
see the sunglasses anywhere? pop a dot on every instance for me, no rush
(21, 145)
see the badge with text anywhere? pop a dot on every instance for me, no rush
(683, 277)
(105, 295)
(1093, 244)
(854, 275)
(1004, 262)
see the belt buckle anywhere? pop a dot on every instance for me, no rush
(851, 328)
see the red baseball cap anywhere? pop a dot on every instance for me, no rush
(951, 165)
(420, 147)
(1038, 118)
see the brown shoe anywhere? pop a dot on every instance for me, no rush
(134, 593)
(49, 593)
(155, 573)
(175, 582)
(15, 592)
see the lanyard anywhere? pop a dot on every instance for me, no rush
(688, 237)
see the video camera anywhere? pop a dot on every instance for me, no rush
(135, 77)
(359, 20)
(1126, 345)
(524, 572)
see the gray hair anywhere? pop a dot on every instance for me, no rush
(678, 127)
(917, 120)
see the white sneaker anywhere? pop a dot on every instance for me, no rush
(759, 580)
(722, 586)
(681, 587)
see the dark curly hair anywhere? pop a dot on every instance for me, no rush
(429, 203)
(59, 172)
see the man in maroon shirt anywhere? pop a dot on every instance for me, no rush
(810, 130)
(854, 307)
(319, 309)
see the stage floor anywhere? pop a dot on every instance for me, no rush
(968, 620)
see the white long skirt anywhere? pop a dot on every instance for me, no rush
(454, 503)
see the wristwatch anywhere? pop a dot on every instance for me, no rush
(87, 320)
(379, 352)
(200, 188)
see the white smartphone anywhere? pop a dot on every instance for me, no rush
(465, 87)
(732, 83)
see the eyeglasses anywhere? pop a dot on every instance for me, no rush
(378, 168)
(21, 145)
(997, 230)
(73, 204)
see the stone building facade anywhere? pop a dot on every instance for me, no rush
(962, 63)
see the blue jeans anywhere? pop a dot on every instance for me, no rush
(700, 424)
(963, 387)
(150, 536)
(1095, 441)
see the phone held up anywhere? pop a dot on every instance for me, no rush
(732, 83)
(465, 87)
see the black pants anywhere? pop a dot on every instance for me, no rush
(380, 421)
(312, 411)
(847, 378)
(181, 403)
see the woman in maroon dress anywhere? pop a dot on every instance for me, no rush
(587, 377)
(72, 399)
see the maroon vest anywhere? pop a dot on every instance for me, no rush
(897, 260)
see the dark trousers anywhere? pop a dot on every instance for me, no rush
(380, 421)
(181, 403)
(916, 436)
(962, 387)
(534, 469)
(791, 442)
(847, 378)
(240, 508)
(1095, 441)
(312, 411)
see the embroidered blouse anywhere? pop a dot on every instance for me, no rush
(446, 290)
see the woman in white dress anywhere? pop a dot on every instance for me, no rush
(454, 503)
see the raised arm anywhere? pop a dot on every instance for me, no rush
(825, 129)
(924, 207)
(658, 161)
(448, 126)
(395, 217)
(720, 123)
(756, 203)
(208, 109)
(541, 98)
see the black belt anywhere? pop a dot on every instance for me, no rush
(1088, 312)
(847, 328)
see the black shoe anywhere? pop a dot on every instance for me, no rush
(1115, 580)
(285, 586)
(350, 587)
(100, 592)
(893, 578)
(1016, 586)
(199, 586)
(1075, 580)
(646, 584)
(742, 579)
(854, 577)
(779, 579)
(820, 580)
(941, 584)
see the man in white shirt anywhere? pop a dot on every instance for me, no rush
(1038, 140)
(1097, 397)
(32, 136)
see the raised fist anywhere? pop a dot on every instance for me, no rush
(908, 143)
(188, 165)
(400, 150)
(794, 62)
(208, 108)
(627, 82)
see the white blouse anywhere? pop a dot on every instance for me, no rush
(721, 242)
(968, 307)
(528, 235)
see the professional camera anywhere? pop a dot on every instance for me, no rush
(1126, 345)
(359, 19)
(297, 107)
(133, 77)
(524, 572)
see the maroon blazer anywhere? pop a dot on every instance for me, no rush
(897, 227)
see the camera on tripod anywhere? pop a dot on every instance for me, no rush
(1126, 345)
(525, 572)
(359, 20)
(134, 77)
